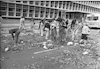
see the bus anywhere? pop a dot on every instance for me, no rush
(93, 20)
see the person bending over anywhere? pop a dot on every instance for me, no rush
(16, 31)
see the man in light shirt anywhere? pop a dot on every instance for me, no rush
(22, 22)
(47, 29)
(41, 26)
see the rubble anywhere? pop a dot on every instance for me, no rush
(70, 43)
(31, 66)
(6, 49)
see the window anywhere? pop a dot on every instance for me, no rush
(64, 4)
(30, 15)
(31, 7)
(36, 11)
(25, 14)
(60, 4)
(56, 11)
(47, 12)
(51, 13)
(42, 12)
(81, 7)
(18, 10)
(18, 1)
(42, 9)
(70, 5)
(77, 7)
(18, 6)
(11, 9)
(25, 10)
(87, 8)
(3, 4)
(74, 6)
(47, 3)
(11, 13)
(95, 18)
(52, 3)
(56, 3)
(66, 16)
(42, 3)
(3, 8)
(36, 2)
(31, 11)
(92, 18)
(24, 1)
(3, 13)
(25, 7)
(17, 14)
(11, 5)
(67, 4)
(30, 2)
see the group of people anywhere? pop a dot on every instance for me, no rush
(57, 27)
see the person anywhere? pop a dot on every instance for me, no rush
(47, 29)
(16, 31)
(78, 30)
(73, 23)
(55, 24)
(66, 27)
(85, 33)
(22, 22)
(41, 26)
(33, 22)
(53, 31)
(62, 31)
(73, 26)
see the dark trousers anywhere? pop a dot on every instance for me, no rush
(84, 36)
(15, 34)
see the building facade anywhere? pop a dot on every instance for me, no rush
(48, 9)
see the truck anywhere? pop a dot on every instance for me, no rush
(93, 20)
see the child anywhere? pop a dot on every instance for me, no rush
(85, 33)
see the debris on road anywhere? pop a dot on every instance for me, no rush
(6, 49)
(70, 43)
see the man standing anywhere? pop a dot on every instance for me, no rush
(41, 26)
(32, 24)
(22, 22)
(47, 29)
(55, 23)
